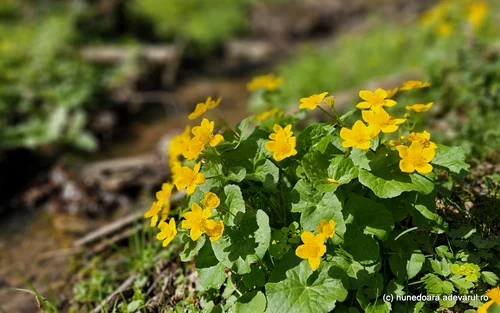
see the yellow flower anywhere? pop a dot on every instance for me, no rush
(469, 270)
(415, 157)
(214, 229)
(175, 165)
(484, 308)
(327, 228)
(494, 294)
(189, 178)
(269, 82)
(165, 192)
(477, 13)
(265, 115)
(391, 93)
(167, 232)
(394, 143)
(153, 213)
(284, 142)
(360, 135)
(203, 107)
(378, 117)
(375, 99)
(312, 102)
(312, 249)
(413, 84)
(202, 136)
(179, 144)
(196, 221)
(419, 107)
(423, 138)
(444, 29)
(210, 200)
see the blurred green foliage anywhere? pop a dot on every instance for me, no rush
(469, 101)
(203, 23)
(390, 48)
(44, 86)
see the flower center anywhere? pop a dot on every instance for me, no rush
(418, 161)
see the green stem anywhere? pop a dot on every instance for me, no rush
(324, 111)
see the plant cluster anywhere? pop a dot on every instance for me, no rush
(45, 88)
(328, 216)
(449, 17)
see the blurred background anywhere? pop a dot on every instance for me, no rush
(91, 92)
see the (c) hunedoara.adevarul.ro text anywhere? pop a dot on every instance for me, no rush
(428, 298)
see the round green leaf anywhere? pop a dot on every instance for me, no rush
(252, 302)
(211, 272)
(245, 243)
(305, 291)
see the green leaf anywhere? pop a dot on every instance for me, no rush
(452, 158)
(304, 196)
(357, 274)
(252, 302)
(244, 244)
(329, 208)
(370, 216)
(234, 201)
(315, 165)
(390, 182)
(489, 278)
(406, 266)
(305, 291)
(435, 285)
(311, 137)
(379, 306)
(265, 172)
(362, 248)
(242, 127)
(441, 267)
(361, 158)
(134, 306)
(461, 283)
(443, 252)
(211, 272)
(424, 213)
(256, 277)
(237, 173)
(250, 151)
(190, 247)
(340, 169)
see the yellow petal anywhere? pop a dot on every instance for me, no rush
(363, 105)
(348, 144)
(154, 220)
(167, 241)
(307, 237)
(270, 146)
(406, 167)
(366, 95)
(302, 252)
(217, 139)
(277, 128)
(425, 169)
(363, 146)
(390, 103)
(389, 129)
(199, 110)
(314, 263)
(428, 154)
(195, 233)
(403, 151)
